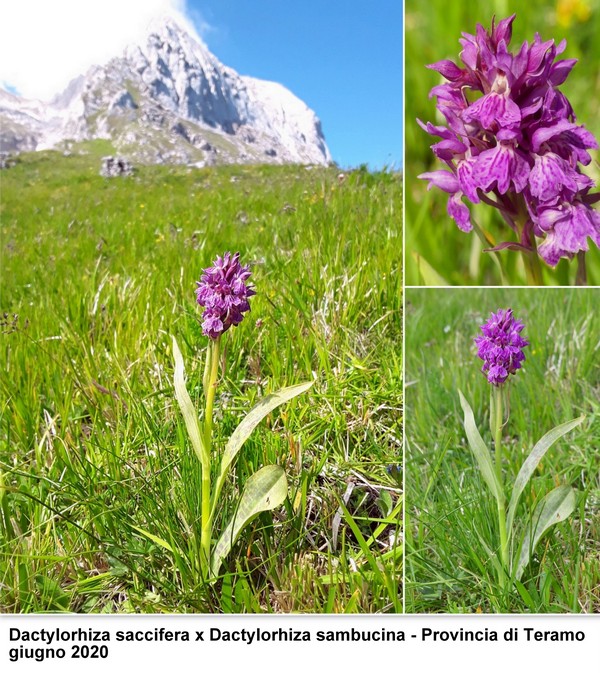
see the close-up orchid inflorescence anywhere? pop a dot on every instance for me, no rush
(511, 140)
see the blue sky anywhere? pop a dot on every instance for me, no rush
(343, 59)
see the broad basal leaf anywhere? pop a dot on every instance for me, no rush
(247, 425)
(532, 461)
(187, 408)
(555, 507)
(480, 450)
(265, 490)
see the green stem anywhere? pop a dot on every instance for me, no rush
(531, 258)
(495, 256)
(533, 268)
(581, 277)
(497, 431)
(211, 388)
(211, 373)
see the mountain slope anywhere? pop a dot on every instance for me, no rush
(170, 100)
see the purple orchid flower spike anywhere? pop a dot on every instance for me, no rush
(514, 143)
(501, 346)
(223, 292)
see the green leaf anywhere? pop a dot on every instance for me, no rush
(480, 450)
(556, 506)
(187, 408)
(265, 490)
(427, 272)
(51, 593)
(532, 461)
(385, 503)
(246, 427)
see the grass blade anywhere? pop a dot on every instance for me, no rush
(159, 541)
(380, 572)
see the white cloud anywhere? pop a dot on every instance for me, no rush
(46, 43)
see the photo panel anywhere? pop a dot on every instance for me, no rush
(501, 440)
(201, 309)
(501, 130)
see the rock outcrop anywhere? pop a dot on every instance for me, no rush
(170, 100)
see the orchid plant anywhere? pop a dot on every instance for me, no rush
(511, 140)
(223, 291)
(501, 348)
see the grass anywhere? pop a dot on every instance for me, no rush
(450, 514)
(431, 35)
(101, 490)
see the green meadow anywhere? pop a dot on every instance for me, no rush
(437, 252)
(100, 489)
(451, 518)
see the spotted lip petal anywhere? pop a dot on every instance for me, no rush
(567, 226)
(468, 184)
(502, 166)
(551, 176)
(493, 111)
(459, 212)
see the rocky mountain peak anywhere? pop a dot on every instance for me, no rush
(168, 99)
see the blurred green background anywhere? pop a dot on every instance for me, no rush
(432, 33)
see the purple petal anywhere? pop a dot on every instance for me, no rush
(464, 172)
(519, 64)
(503, 31)
(444, 180)
(560, 71)
(493, 107)
(549, 176)
(459, 212)
(502, 164)
(537, 55)
(447, 69)
(550, 250)
(497, 374)
(469, 52)
(446, 150)
(440, 131)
